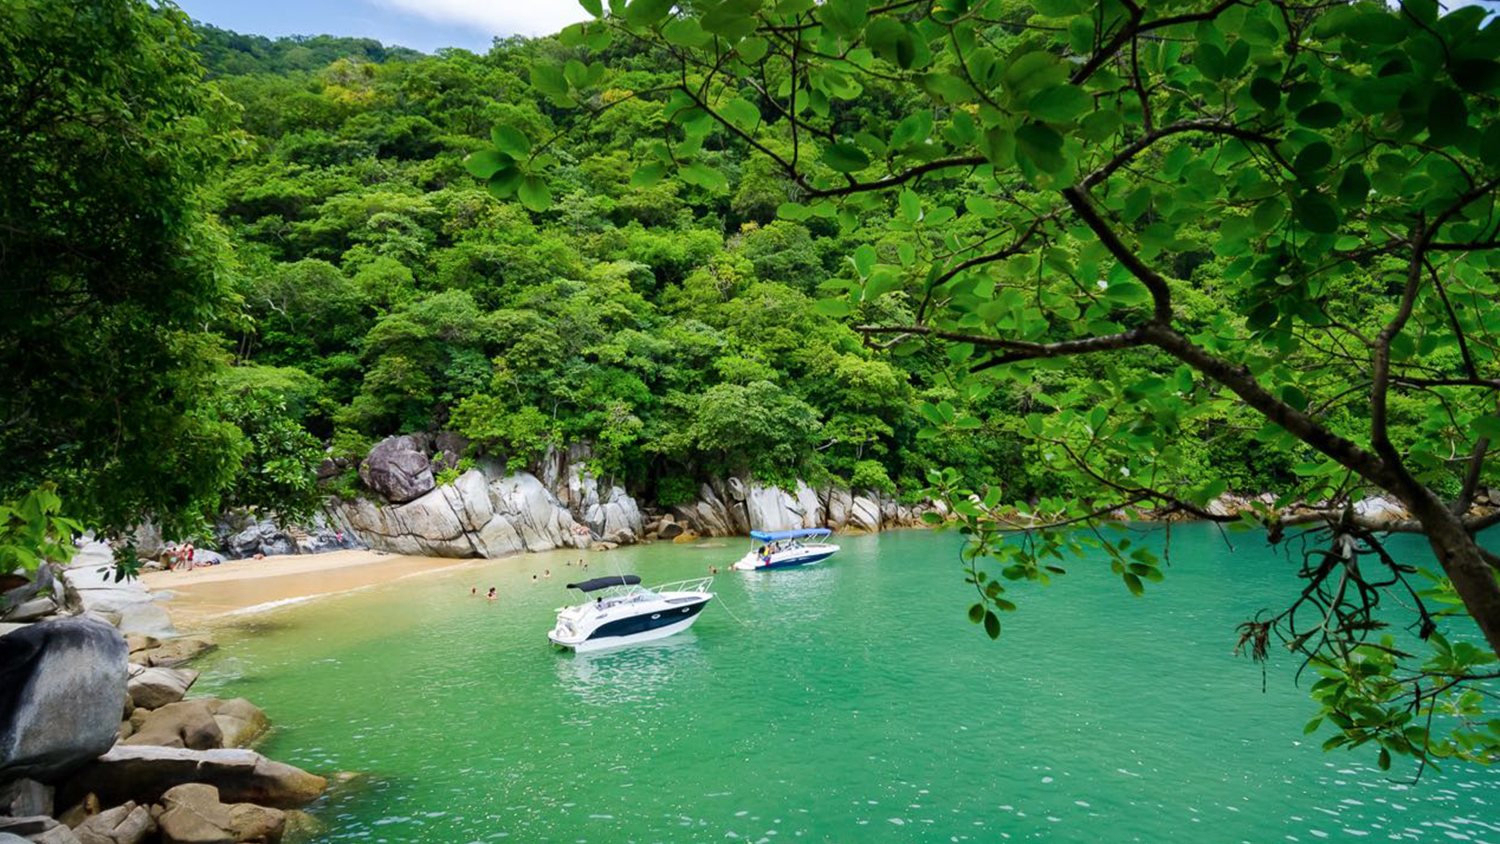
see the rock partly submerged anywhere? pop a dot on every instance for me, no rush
(144, 773)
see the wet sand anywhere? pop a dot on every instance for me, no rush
(219, 593)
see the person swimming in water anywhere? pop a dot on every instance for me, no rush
(547, 573)
(474, 591)
(534, 580)
(492, 594)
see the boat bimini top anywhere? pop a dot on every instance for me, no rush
(606, 582)
(775, 536)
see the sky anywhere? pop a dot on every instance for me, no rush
(424, 25)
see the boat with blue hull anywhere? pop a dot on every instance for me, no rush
(622, 612)
(786, 549)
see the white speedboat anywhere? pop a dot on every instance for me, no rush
(786, 549)
(622, 612)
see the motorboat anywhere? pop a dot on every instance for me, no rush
(786, 549)
(622, 612)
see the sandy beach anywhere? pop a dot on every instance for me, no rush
(215, 593)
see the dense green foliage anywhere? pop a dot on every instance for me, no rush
(671, 325)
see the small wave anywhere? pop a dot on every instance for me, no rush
(271, 605)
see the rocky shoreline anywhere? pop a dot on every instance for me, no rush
(99, 743)
(491, 510)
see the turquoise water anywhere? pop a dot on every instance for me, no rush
(849, 702)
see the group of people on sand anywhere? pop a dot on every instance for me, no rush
(181, 557)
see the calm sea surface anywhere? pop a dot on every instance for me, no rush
(849, 702)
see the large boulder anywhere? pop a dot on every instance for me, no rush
(26, 797)
(188, 723)
(128, 823)
(240, 721)
(398, 468)
(864, 513)
(193, 814)
(153, 688)
(772, 508)
(142, 774)
(62, 686)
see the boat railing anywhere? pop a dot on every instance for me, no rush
(692, 584)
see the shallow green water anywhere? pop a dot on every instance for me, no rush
(851, 702)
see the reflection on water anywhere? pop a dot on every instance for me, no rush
(635, 674)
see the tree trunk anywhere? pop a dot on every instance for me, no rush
(1458, 553)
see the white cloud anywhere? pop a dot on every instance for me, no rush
(497, 17)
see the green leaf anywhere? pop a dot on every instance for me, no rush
(511, 141)
(1320, 115)
(833, 307)
(502, 185)
(981, 206)
(733, 19)
(864, 259)
(685, 32)
(845, 157)
(1354, 187)
(976, 613)
(483, 163)
(741, 113)
(1134, 584)
(534, 194)
(911, 206)
(1059, 8)
(648, 174)
(753, 49)
(1209, 60)
(1312, 158)
(1060, 103)
(647, 12)
(991, 624)
(1477, 76)
(1487, 427)
(549, 79)
(1265, 92)
(1316, 213)
(1447, 117)
(594, 7)
(845, 18)
(703, 176)
(1042, 145)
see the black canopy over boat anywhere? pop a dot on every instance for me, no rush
(605, 582)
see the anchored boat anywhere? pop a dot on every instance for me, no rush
(622, 612)
(786, 549)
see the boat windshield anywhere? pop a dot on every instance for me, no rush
(633, 593)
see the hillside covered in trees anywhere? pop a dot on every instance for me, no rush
(672, 325)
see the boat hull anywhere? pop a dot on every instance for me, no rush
(752, 562)
(634, 629)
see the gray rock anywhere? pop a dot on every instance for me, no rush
(398, 468)
(148, 619)
(25, 797)
(32, 610)
(61, 685)
(40, 829)
(125, 824)
(772, 508)
(176, 652)
(864, 514)
(153, 688)
(9, 838)
(142, 774)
